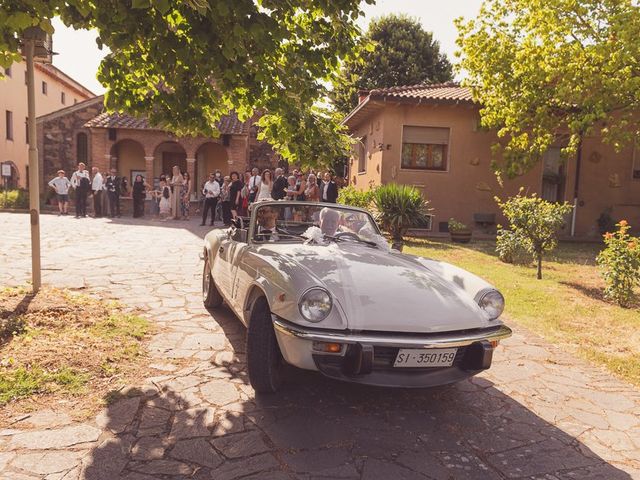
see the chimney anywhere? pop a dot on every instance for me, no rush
(362, 95)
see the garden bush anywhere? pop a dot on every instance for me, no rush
(14, 199)
(399, 208)
(350, 195)
(535, 223)
(511, 249)
(620, 264)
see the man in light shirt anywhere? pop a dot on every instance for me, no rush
(97, 187)
(61, 185)
(81, 182)
(211, 192)
(254, 184)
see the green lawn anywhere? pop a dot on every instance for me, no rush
(565, 307)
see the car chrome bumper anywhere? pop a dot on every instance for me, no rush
(368, 357)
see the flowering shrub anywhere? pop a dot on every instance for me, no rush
(456, 226)
(620, 264)
(510, 248)
(534, 222)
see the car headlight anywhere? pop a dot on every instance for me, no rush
(491, 301)
(315, 304)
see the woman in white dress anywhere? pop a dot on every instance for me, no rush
(264, 189)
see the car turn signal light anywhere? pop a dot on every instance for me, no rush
(327, 347)
(495, 343)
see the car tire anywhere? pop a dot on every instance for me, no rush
(210, 295)
(264, 360)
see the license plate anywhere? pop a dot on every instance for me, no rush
(425, 357)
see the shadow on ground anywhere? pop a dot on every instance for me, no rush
(209, 425)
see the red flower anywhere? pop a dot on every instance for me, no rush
(608, 236)
(623, 223)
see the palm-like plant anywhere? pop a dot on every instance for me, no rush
(399, 208)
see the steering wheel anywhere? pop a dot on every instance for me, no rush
(351, 235)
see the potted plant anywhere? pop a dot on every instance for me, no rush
(459, 232)
(399, 208)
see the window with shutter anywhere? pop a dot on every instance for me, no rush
(425, 148)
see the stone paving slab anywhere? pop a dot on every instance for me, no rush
(539, 413)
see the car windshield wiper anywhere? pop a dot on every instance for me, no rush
(353, 236)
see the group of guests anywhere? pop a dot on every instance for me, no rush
(106, 191)
(232, 193)
(235, 193)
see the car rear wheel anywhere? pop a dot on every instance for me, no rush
(210, 295)
(264, 360)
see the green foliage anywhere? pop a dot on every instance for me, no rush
(510, 248)
(184, 64)
(620, 264)
(400, 207)
(395, 51)
(350, 195)
(26, 381)
(534, 222)
(14, 199)
(11, 326)
(456, 226)
(549, 70)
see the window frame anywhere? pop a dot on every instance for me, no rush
(63, 98)
(446, 155)
(8, 117)
(45, 88)
(362, 154)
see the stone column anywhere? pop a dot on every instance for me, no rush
(148, 166)
(191, 170)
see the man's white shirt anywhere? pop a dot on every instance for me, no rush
(254, 182)
(98, 182)
(211, 189)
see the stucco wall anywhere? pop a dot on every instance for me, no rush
(469, 184)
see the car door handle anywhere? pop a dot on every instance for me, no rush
(221, 249)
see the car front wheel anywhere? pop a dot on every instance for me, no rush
(210, 295)
(264, 360)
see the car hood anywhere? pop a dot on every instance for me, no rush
(377, 290)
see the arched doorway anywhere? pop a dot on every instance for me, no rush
(210, 156)
(129, 156)
(166, 155)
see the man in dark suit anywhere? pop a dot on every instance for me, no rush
(328, 189)
(278, 191)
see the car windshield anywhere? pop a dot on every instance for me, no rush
(289, 221)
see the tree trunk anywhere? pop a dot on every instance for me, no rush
(539, 259)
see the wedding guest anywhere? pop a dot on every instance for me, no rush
(278, 192)
(165, 195)
(139, 193)
(254, 184)
(235, 194)
(176, 183)
(225, 198)
(265, 186)
(291, 188)
(211, 192)
(81, 182)
(329, 189)
(312, 192)
(113, 185)
(61, 186)
(301, 186)
(97, 187)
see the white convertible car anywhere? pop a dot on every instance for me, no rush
(318, 287)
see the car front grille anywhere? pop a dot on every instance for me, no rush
(384, 358)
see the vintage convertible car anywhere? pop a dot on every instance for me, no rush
(318, 287)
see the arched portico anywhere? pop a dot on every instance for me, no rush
(127, 157)
(210, 156)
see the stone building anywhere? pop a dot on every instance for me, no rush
(86, 133)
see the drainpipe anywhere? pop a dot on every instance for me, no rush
(576, 187)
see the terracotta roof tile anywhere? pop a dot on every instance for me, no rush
(439, 91)
(228, 125)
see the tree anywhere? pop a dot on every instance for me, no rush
(395, 51)
(549, 70)
(184, 64)
(534, 223)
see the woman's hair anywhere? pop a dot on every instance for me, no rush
(175, 167)
(236, 174)
(186, 175)
(139, 177)
(291, 177)
(264, 174)
(311, 178)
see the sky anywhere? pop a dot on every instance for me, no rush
(79, 56)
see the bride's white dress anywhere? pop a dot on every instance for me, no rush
(265, 192)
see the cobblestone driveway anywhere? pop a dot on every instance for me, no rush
(538, 413)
